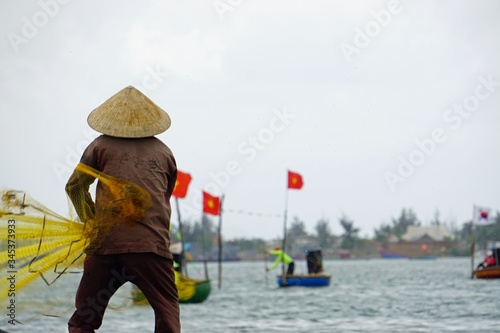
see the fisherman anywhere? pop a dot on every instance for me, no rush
(488, 261)
(281, 256)
(137, 252)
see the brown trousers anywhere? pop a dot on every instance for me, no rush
(104, 274)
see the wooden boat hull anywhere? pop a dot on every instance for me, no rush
(308, 280)
(189, 290)
(488, 273)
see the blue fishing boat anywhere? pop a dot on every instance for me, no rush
(314, 277)
(306, 280)
(391, 255)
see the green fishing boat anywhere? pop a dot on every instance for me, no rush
(190, 290)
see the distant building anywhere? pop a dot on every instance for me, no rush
(427, 234)
(419, 242)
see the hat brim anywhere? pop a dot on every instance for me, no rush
(129, 114)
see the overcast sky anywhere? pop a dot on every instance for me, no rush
(379, 105)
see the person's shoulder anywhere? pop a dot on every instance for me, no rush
(98, 141)
(160, 144)
(102, 138)
(156, 141)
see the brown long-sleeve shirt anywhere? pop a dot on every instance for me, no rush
(147, 162)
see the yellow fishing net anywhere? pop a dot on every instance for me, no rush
(121, 202)
(37, 242)
(186, 287)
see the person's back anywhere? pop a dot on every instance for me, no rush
(149, 163)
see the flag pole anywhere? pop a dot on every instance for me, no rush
(283, 248)
(265, 265)
(183, 259)
(472, 243)
(203, 244)
(220, 242)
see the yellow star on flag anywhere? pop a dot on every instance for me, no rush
(211, 204)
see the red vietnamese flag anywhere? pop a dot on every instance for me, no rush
(211, 204)
(295, 180)
(181, 184)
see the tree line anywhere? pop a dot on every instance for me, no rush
(204, 235)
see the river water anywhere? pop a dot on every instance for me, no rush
(364, 296)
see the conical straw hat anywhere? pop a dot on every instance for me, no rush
(129, 114)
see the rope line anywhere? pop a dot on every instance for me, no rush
(251, 213)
